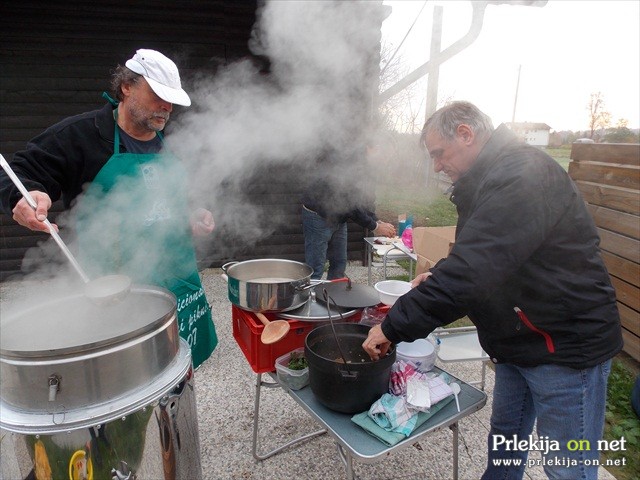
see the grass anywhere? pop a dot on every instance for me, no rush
(561, 155)
(621, 421)
(427, 209)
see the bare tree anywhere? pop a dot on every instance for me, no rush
(621, 133)
(598, 116)
(398, 112)
(622, 123)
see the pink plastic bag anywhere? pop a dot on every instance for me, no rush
(407, 237)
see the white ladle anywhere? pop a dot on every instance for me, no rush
(103, 288)
(456, 390)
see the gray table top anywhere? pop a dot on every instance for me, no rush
(364, 446)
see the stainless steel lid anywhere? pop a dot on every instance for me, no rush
(312, 311)
(74, 324)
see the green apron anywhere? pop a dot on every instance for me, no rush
(144, 232)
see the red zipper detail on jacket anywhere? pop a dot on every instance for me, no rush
(531, 326)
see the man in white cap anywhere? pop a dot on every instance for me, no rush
(84, 158)
(161, 74)
(147, 87)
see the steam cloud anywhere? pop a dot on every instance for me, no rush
(319, 94)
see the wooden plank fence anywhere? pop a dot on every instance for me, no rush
(608, 176)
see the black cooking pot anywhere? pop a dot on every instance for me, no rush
(349, 387)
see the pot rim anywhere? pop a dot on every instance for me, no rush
(319, 332)
(230, 266)
(149, 329)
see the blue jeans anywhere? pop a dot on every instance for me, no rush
(324, 241)
(569, 405)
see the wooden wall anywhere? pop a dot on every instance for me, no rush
(608, 176)
(56, 59)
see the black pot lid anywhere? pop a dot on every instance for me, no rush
(348, 294)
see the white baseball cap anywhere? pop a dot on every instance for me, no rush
(161, 74)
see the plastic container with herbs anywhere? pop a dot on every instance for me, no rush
(292, 369)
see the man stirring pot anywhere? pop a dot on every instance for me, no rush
(115, 150)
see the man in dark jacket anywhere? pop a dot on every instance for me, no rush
(527, 270)
(329, 201)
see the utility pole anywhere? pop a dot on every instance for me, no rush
(515, 100)
(434, 64)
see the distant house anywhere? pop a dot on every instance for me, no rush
(536, 134)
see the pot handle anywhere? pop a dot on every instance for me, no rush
(316, 282)
(348, 375)
(226, 266)
(302, 288)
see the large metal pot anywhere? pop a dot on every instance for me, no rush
(93, 353)
(268, 285)
(101, 388)
(341, 374)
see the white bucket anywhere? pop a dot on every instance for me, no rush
(420, 353)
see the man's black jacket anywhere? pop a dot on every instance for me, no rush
(525, 267)
(63, 158)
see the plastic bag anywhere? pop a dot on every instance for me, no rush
(407, 237)
(372, 316)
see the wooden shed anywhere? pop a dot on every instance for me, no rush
(608, 176)
(56, 59)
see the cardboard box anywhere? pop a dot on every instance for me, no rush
(432, 244)
(423, 264)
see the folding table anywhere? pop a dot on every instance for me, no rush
(394, 251)
(353, 442)
(461, 344)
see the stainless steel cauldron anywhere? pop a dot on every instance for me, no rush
(268, 285)
(99, 391)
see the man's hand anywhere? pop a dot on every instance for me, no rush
(202, 222)
(34, 220)
(419, 279)
(385, 229)
(376, 344)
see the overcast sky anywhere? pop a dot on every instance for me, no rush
(567, 50)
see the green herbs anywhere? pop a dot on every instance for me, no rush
(297, 361)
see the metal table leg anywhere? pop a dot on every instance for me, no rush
(369, 262)
(454, 429)
(256, 419)
(384, 261)
(347, 461)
